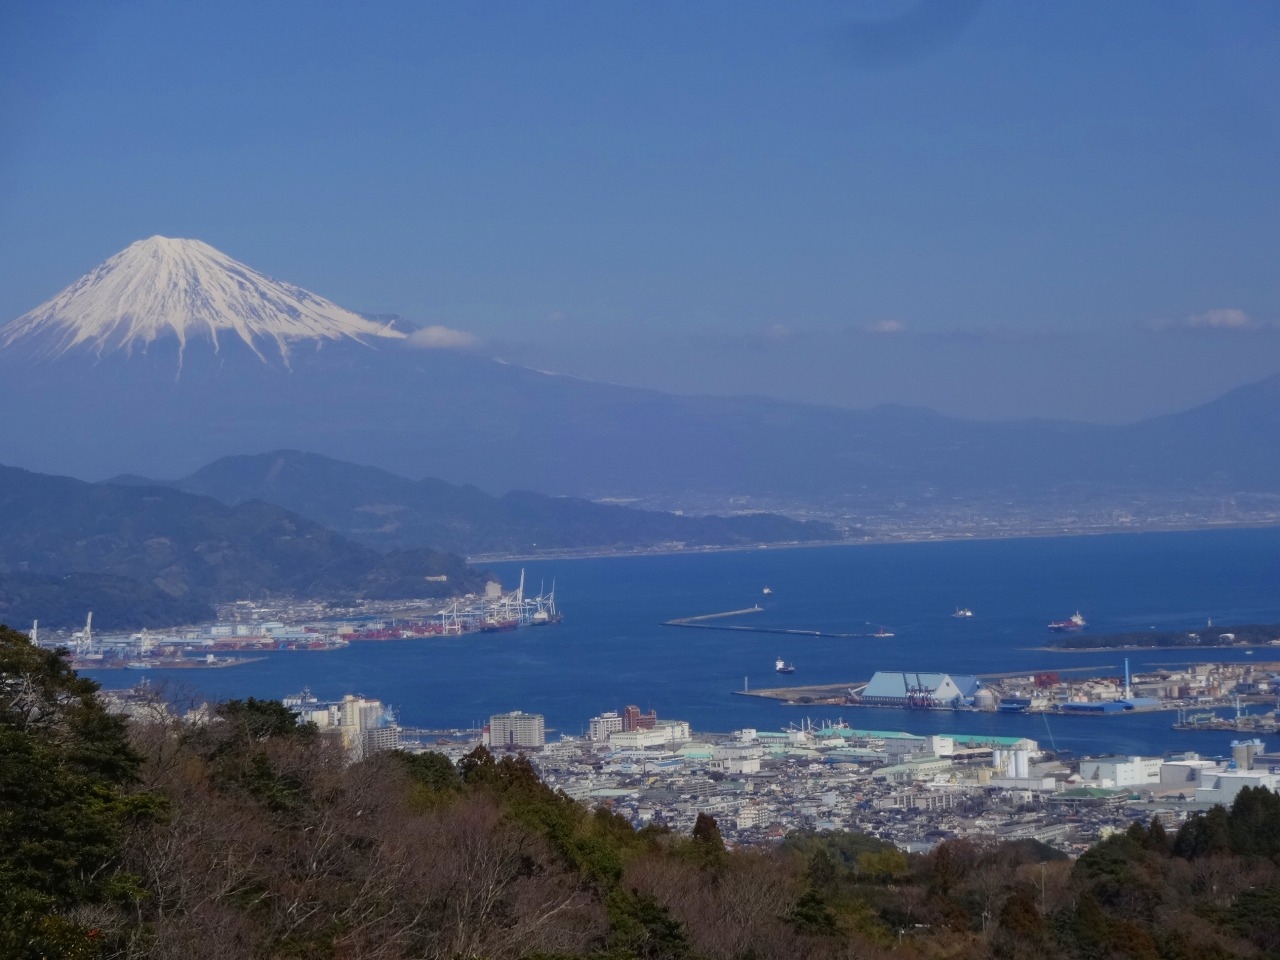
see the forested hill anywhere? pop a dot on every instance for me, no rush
(386, 511)
(164, 545)
(251, 836)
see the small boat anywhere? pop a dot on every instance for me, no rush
(783, 667)
(882, 632)
(767, 590)
(962, 613)
(1076, 622)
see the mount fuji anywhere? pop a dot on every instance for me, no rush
(163, 288)
(171, 355)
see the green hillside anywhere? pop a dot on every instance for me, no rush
(186, 548)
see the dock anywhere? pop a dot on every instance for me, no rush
(814, 693)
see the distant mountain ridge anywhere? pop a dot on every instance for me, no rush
(386, 511)
(190, 548)
(370, 394)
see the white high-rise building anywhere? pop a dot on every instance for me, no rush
(367, 727)
(604, 725)
(517, 729)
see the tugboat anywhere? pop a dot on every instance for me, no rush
(783, 667)
(962, 613)
(1077, 622)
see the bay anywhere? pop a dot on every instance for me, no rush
(612, 649)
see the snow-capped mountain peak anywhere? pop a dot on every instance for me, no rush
(162, 287)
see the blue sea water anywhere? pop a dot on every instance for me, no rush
(612, 650)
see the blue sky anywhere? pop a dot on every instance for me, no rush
(993, 209)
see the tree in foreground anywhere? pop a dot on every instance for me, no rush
(65, 763)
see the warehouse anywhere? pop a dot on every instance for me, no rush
(919, 690)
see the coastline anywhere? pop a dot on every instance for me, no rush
(595, 553)
(1129, 647)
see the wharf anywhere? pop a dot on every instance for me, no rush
(838, 694)
(1224, 725)
(827, 691)
(815, 693)
(159, 663)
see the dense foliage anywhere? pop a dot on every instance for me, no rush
(65, 804)
(245, 834)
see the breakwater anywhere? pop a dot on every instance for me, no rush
(704, 621)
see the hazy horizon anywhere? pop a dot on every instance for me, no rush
(983, 209)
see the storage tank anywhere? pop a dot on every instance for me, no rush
(1243, 752)
(1022, 764)
(984, 699)
(1002, 763)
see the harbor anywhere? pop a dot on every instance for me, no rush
(1193, 692)
(245, 632)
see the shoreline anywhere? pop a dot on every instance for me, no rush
(1131, 647)
(594, 553)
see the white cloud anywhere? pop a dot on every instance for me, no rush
(443, 338)
(1221, 318)
(885, 326)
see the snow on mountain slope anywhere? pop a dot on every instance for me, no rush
(164, 287)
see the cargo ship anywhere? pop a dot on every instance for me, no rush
(783, 667)
(1076, 622)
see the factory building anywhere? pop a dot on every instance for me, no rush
(1121, 771)
(919, 690)
(1223, 787)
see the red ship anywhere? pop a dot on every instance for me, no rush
(1068, 626)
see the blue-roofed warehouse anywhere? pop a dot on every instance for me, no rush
(892, 688)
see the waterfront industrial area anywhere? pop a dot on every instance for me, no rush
(246, 629)
(911, 789)
(1191, 691)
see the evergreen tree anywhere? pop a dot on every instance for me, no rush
(64, 764)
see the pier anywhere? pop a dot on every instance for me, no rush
(1050, 692)
(816, 693)
(693, 621)
(701, 622)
